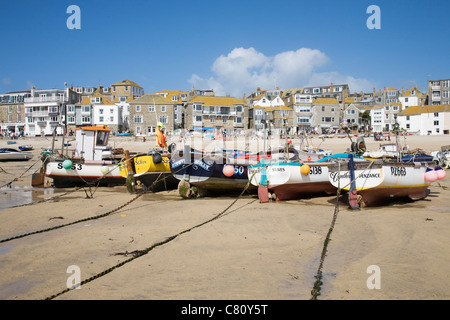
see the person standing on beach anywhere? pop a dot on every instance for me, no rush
(160, 136)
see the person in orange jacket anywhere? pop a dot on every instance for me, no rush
(160, 136)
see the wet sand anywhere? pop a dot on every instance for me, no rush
(195, 250)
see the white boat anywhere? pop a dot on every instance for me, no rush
(91, 165)
(10, 154)
(373, 182)
(442, 157)
(292, 180)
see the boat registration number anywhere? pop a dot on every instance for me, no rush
(75, 166)
(315, 170)
(401, 171)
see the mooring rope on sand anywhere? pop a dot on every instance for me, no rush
(139, 253)
(315, 292)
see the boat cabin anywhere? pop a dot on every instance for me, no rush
(91, 142)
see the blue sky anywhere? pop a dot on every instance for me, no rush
(229, 46)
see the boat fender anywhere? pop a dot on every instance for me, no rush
(440, 173)
(104, 169)
(430, 175)
(228, 170)
(305, 169)
(67, 164)
(157, 158)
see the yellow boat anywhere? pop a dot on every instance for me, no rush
(152, 171)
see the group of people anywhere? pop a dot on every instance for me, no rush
(381, 137)
(12, 135)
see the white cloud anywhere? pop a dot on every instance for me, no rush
(243, 70)
(6, 81)
(29, 84)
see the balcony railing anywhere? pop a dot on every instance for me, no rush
(46, 99)
(436, 97)
(39, 114)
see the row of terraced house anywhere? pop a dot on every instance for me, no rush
(124, 107)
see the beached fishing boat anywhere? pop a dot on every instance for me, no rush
(152, 171)
(10, 154)
(292, 180)
(218, 172)
(27, 147)
(372, 182)
(91, 163)
(442, 157)
(391, 151)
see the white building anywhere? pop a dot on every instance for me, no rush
(427, 119)
(384, 117)
(97, 110)
(45, 109)
(412, 97)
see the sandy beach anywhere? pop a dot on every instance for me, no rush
(199, 249)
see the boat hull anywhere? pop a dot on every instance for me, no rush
(7, 154)
(379, 182)
(288, 182)
(206, 172)
(153, 176)
(84, 174)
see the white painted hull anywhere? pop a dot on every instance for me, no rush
(377, 182)
(83, 174)
(16, 156)
(287, 181)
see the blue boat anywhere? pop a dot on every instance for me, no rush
(26, 148)
(218, 172)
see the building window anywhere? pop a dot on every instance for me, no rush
(163, 108)
(137, 119)
(436, 114)
(163, 119)
(238, 120)
(86, 119)
(151, 108)
(323, 108)
(436, 123)
(100, 119)
(138, 108)
(197, 118)
(198, 107)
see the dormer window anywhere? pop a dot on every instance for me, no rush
(96, 99)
